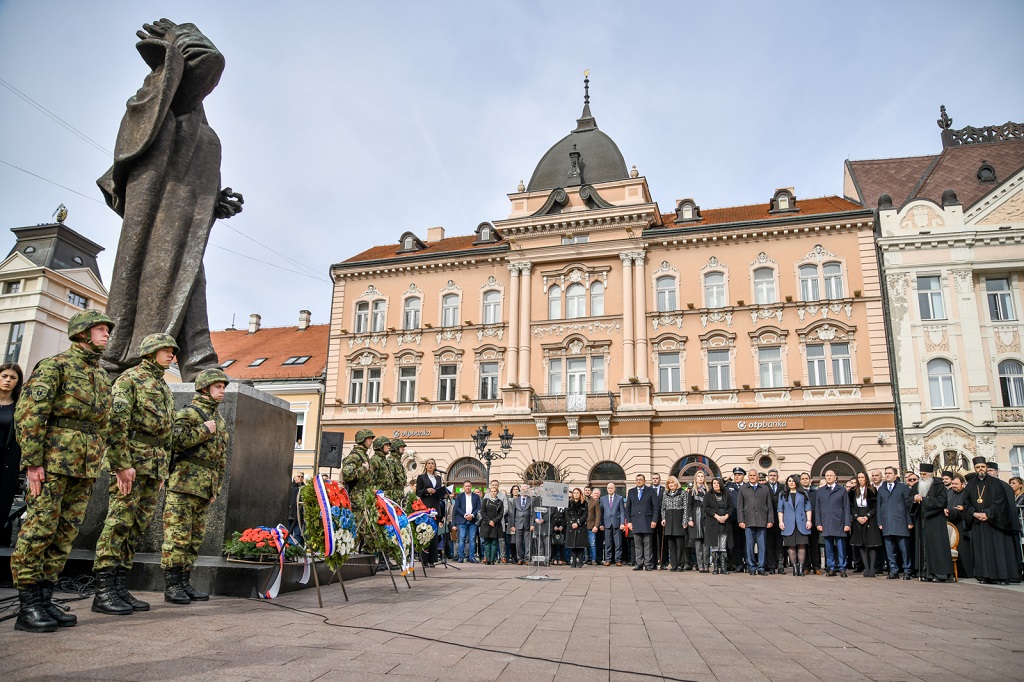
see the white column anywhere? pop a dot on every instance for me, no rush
(640, 311)
(512, 364)
(628, 356)
(524, 325)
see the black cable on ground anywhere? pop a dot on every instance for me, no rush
(327, 621)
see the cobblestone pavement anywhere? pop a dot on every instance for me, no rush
(483, 623)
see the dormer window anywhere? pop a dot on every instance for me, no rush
(486, 234)
(783, 201)
(687, 211)
(409, 243)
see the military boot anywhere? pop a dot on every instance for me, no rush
(126, 596)
(192, 592)
(63, 618)
(173, 590)
(32, 617)
(106, 599)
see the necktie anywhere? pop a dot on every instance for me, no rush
(890, 487)
(523, 501)
(639, 494)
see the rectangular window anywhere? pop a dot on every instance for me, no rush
(488, 381)
(597, 374)
(1017, 461)
(833, 280)
(719, 375)
(816, 375)
(842, 370)
(373, 385)
(14, 339)
(666, 294)
(355, 386)
(769, 362)
(12, 288)
(297, 360)
(809, 283)
(576, 375)
(575, 239)
(446, 382)
(714, 290)
(764, 286)
(668, 373)
(362, 317)
(555, 377)
(377, 319)
(76, 300)
(407, 385)
(450, 311)
(412, 314)
(257, 362)
(1000, 306)
(929, 298)
(300, 428)
(492, 307)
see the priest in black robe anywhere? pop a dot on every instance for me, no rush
(965, 554)
(988, 513)
(934, 560)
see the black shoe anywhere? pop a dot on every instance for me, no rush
(760, 571)
(638, 567)
(843, 573)
(192, 592)
(830, 573)
(106, 599)
(906, 576)
(892, 576)
(753, 572)
(174, 593)
(32, 617)
(125, 595)
(63, 618)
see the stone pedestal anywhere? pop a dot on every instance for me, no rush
(257, 483)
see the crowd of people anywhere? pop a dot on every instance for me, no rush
(875, 524)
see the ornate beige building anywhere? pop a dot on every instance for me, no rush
(951, 229)
(613, 339)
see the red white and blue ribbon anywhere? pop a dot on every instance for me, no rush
(330, 539)
(393, 512)
(279, 534)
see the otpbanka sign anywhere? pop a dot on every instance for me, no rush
(757, 425)
(417, 433)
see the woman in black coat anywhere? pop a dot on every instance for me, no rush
(718, 511)
(576, 527)
(11, 380)
(492, 516)
(675, 514)
(695, 521)
(432, 492)
(864, 534)
(558, 535)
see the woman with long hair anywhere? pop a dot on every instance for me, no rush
(492, 516)
(674, 514)
(864, 533)
(695, 521)
(431, 491)
(795, 522)
(718, 511)
(511, 556)
(11, 381)
(576, 527)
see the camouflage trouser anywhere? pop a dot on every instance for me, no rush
(184, 529)
(128, 517)
(49, 529)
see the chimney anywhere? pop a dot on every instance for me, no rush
(254, 323)
(435, 234)
(304, 319)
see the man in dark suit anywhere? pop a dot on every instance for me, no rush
(613, 518)
(813, 563)
(755, 516)
(660, 550)
(738, 536)
(774, 560)
(465, 514)
(522, 525)
(641, 519)
(832, 517)
(893, 516)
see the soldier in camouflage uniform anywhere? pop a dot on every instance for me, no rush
(200, 460)
(380, 470)
(355, 468)
(397, 469)
(138, 454)
(60, 422)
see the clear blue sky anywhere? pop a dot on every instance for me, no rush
(345, 124)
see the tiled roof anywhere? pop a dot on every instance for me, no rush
(276, 344)
(448, 244)
(895, 177)
(739, 214)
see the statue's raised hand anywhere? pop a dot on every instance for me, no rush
(161, 29)
(229, 203)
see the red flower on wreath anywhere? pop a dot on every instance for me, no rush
(418, 505)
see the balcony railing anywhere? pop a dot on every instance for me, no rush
(574, 402)
(1015, 415)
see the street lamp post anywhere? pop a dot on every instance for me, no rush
(485, 454)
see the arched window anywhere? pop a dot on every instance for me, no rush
(411, 318)
(714, 290)
(378, 315)
(597, 299)
(362, 317)
(764, 286)
(467, 469)
(408, 244)
(450, 310)
(809, 285)
(844, 464)
(608, 472)
(951, 460)
(575, 301)
(555, 303)
(940, 383)
(665, 288)
(833, 280)
(541, 471)
(688, 466)
(492, 307)
(1011, 383)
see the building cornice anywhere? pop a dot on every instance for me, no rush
(792, 224)
(420, 261)
(635, 216)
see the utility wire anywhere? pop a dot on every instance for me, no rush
(52, 182)
(319, 275)
(57, 119)
(273, 265)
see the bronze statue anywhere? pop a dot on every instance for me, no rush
(165, 184)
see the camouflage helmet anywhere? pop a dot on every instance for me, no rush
(210, 376)
(380, 441)
(397, 443)
(363, 434)
(155, 342)
(86, 320)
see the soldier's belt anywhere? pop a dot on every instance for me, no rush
(195, 460)
(75, 424)
(147, 439)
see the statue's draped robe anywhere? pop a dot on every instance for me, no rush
(165, 183)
